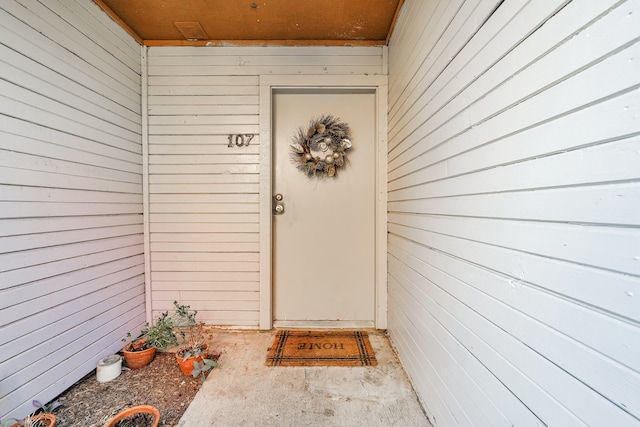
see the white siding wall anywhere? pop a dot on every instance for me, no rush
(204, 196)
(514, 206)
(71, 263)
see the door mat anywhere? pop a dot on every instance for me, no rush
(321, 348)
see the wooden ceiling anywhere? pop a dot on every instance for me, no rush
(256, 22)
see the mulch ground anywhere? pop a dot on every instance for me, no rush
(89, 403)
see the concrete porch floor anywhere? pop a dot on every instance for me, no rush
(242, 391)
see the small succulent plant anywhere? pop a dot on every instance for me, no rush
(202, 367)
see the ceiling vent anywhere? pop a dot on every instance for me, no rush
(191, 30)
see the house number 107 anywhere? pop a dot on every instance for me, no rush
(239, 140)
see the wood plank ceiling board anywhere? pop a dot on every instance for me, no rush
(258, 23)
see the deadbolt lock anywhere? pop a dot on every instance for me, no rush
(278, 205)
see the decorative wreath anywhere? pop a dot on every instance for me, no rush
(321, 149)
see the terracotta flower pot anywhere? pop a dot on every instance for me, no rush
(48, 420)
(186, 366)
(142, 409)
(137, 359)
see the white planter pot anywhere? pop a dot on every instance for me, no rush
(109, 368)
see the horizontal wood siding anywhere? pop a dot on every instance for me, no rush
(514, 210)
(203, 194)
(71, 243)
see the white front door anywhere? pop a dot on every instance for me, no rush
(324, 242)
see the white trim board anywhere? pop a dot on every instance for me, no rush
(145, 182)
(268, 84)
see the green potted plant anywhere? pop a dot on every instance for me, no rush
(192, 356)
(142, 350)
(137, 353)
(160, 336)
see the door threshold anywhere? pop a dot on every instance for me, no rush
(323, 324)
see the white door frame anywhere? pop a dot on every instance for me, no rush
(268, 83)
